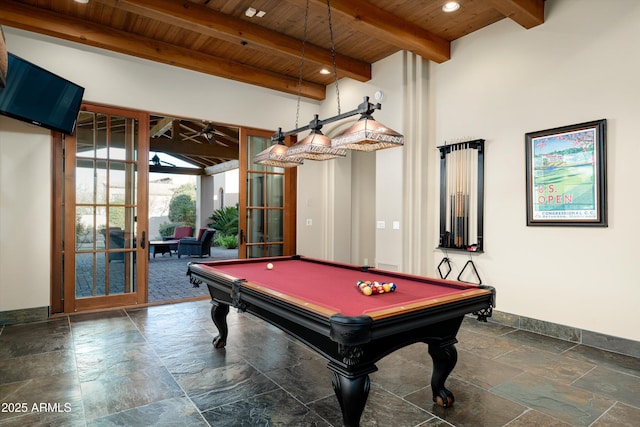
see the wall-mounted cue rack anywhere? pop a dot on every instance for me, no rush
(462, 195)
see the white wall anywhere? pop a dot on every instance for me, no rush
(25, 215)
(582, 64)
(229, 181)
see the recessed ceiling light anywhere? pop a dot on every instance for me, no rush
(251, 12)
(451, 6)
(82, 1)
(325, 71)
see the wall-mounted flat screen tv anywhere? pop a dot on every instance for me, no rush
(38, 96)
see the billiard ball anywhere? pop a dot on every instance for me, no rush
(269, 266)
(367, 290)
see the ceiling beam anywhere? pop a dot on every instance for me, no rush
(176, 170)
(191, 148)
(194, 17)
(161, 127)
(36, 20)
(222, 167)
(175, 130)
(386, 26)
(528, 13)
(229, 133)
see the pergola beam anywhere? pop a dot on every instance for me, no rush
(161, 127)
(176, 170)
(191, 148)
(222, 167)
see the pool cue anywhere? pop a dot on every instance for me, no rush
(446, 191)
(454, 174)
(459, 204)
(465, 240)
(461, 198)
(450, 196)
(465, 195)
(468, 201)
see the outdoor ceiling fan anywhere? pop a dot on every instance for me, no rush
(208, 133)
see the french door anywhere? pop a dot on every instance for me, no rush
(104, 210)
(267, 201)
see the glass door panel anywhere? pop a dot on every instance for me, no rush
(108, 261)
(267, 206)
(275, 225)
(275, 191)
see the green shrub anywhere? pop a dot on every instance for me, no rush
(182, 209)
(225, 221)
(166, 229)
(227, 242)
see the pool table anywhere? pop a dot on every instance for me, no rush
(318, 303)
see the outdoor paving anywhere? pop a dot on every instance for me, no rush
(168, 280)
(167, 275)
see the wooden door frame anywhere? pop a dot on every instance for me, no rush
(290, 195)
(57, 256)
(63, 279)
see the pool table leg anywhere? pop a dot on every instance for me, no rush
(219, 313)
(352, 393)
(445, 357)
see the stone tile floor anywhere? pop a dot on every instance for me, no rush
(155, 366)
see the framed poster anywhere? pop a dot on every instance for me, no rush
(566, 175)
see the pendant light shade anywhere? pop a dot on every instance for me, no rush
(276, 155)
(315, 146)
(368, 135)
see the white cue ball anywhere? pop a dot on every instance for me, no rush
(269, 266)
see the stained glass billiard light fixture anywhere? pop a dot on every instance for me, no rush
(276, 154)
(365, 135)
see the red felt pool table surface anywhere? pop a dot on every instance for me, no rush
(330, 288)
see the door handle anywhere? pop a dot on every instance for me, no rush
(143, 239)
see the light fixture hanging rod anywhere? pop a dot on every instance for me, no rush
(365, 108)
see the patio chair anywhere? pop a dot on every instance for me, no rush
(117, 241)
(179, 233)
(200, 246)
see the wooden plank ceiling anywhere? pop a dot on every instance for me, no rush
(202, 144)
(218, 37)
